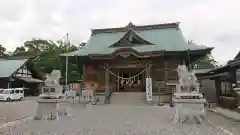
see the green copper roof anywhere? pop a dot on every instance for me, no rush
(8, 67)
(164, 37)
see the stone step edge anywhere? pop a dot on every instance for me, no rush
(21, 120)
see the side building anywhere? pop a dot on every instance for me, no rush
(224, 78)
(20, 73)
(119, 59)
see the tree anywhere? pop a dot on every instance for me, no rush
(39, 45)
(2, 51)
(20, 49)
(48, 58)
(206, 62)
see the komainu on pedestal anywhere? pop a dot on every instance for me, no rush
(188, 102)
(50, 98)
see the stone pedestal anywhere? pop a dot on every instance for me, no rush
(189, 110)
(188, 102)
(47, 109)
(107, 101)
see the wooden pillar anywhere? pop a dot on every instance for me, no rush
(166, 72)
(233, 76)
(147, 71)
(85, 75)
(166, 80)
(150, 70)
(107, 90)
(9, 85)
(218, 89)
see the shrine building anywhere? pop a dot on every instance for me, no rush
(120, 59)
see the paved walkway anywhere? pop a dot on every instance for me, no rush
(124, 119)
(114, 119)
(227, 113)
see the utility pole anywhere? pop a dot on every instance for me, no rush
(66, 72)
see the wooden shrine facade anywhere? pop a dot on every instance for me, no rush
(109, 73)
(113, 55)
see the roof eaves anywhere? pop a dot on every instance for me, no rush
(193, 51)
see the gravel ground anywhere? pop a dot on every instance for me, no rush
(122, 120)
(11, 111)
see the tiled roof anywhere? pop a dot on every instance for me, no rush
(165, 37)
(8, 67)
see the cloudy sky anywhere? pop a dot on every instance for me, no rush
(209, 22)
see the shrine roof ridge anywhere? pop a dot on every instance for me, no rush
(136, 28)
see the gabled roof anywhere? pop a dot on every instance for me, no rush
(8, 67)
(236, 60)
(165, 37)
(131, 39)
(237, 56)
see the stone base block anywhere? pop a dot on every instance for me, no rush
(211, 105)
(193, 95)
(107, 101)
(47, 109)
(189, 110)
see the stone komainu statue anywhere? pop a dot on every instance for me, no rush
(187, 80)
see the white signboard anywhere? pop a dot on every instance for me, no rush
(149, 89)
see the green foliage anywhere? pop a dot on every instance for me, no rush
(48, 58)
(2, 51)
(206, 62)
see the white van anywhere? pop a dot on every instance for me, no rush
(11, 94)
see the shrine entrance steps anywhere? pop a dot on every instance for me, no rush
(128, 98)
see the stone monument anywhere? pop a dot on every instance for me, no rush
(188, 102)
(50, 97)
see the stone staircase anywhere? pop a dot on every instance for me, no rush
(128, 98)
